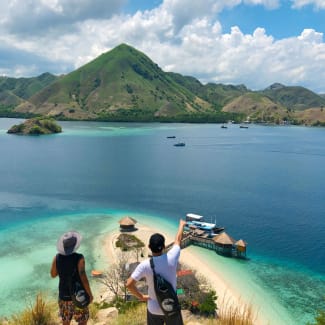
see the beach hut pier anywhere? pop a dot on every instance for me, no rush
(222, 244)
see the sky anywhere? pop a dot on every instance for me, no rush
(250, 42)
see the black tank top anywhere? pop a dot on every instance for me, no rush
(67, 267)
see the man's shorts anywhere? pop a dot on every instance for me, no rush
(67, 310)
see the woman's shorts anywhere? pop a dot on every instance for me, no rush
(67, 310)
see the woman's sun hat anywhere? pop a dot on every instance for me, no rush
(69, 242)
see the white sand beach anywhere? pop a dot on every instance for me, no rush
(226, 291)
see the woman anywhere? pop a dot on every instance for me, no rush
(68, 265)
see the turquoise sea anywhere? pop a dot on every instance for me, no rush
(264, 184)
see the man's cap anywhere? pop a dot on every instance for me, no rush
(157, 243)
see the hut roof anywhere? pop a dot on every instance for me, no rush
(241, 243)
(127, 221)
(224, 239)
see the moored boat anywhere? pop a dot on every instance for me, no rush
(179, 144)
(96, 273)
(195, 220)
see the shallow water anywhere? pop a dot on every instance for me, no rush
(264, 184)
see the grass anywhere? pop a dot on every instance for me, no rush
(44, 312)
(138, 315)
(41, 312)
(230, 314)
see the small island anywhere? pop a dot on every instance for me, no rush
(36, 126)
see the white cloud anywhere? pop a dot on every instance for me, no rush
(190, 42)
(270, 4)
(40, 16)
(311, 36)
(318, 4)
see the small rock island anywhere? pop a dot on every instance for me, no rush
(36, 126)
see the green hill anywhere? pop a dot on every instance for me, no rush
(118, 83)
(217, 95)
(258, 108)
(24, 88)
(126, 85)
(294, 98)
(14, 91)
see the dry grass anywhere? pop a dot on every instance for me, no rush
(44, 312)
(39, 313)
(230, 314)
(134, 316)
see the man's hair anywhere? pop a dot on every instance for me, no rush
(157, 243)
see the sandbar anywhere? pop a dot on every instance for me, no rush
(228, 296)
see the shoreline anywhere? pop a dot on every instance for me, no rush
(228, 296)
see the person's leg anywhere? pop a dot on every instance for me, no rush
(155, 319)
(65, 312)
(81, 316)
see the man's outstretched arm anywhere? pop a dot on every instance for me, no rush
(179, 234)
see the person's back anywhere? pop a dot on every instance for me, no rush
(68, 265)
(166, 266)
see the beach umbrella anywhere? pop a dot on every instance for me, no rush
(127, 221)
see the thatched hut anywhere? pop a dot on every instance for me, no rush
(224, 243)
(241, 247)
(127, 224)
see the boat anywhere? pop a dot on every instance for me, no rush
(171, 137)
(196, 221)
(179, 144)
(224, 127)
(96, 273)
(193, 217)
(244, 127)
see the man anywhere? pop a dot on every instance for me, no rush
(64, 264)
(165, 265)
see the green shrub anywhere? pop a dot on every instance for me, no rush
(127, 242)
(36, 130)
(208, 306)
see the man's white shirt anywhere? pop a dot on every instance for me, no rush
(166, 266)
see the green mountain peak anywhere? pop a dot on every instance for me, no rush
(121, 79)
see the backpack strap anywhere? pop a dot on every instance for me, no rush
(152, 265)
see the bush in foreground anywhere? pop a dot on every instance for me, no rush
(41, 313)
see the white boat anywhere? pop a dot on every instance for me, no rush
(193, 217)
(196, 220)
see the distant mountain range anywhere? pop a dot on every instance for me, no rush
(125, 85)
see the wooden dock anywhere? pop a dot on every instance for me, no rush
(230, 249)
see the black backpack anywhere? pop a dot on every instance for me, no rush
(165, 293)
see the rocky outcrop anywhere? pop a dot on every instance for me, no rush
(36, 126)
(105, 316)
